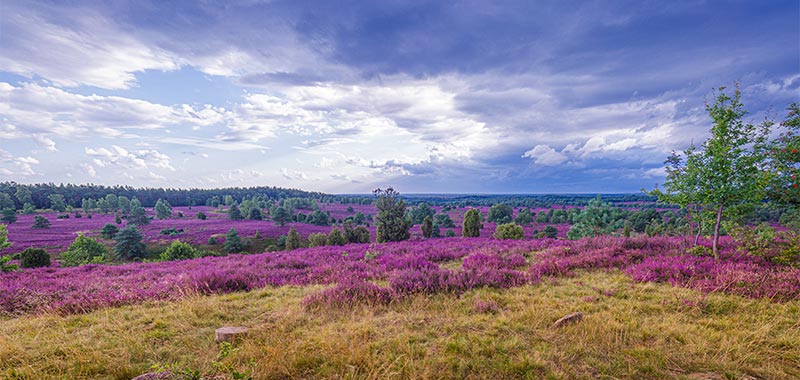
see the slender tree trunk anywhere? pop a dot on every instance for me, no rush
(714, 245)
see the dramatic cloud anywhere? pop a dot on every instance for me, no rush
(343, 97)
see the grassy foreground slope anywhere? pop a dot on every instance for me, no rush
(630, 330)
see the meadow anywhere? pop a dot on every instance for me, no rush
(437, 308)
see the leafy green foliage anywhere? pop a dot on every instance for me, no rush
(83, 250)
(255, 214)
(723, 179)
(201, 215)
(5, 267)
(791, 218)
(34, 258)
(594, 220)
(783, 161)
(391, 224)
(509, 231)
(550, 232)
(501, 213)
(317, 240)
(57, 202)
(179, 250)
(280, 215)
(524, 217)
(472, 224)
(4, 243)
(443, 220)
(8, 215)
(28, 208)
(419, 213)
(335, 237)
(354, 234)
(129, 244)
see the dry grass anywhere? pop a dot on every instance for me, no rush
(629, 331)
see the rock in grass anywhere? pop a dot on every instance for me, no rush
(229, 333)
(161, 375)
(568, 319)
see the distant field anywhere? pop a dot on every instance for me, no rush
(197, 232)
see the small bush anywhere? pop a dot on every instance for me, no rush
(509, 231)
(179, 250)
(109, 231)
(34, 258)
(212, 241)
(550, 232)
(450, 233)
(317, 240)
(83, 250)
(201, 215)
(171, 231)
(41, 222)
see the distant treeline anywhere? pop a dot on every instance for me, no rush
(532, 200)
(38, 194)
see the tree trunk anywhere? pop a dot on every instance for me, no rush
(715, 243)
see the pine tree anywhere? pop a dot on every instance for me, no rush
(391, 223)
(427, 227)
(129, 244)
(472, 224)
(234, 213)
(138, 216)
(40, 222)
(233, 243)
(293, 240)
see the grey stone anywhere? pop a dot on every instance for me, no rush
(568, 319)
(229, 333)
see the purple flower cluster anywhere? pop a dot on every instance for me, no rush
(409, 267)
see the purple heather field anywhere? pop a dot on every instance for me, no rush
(62, 232)
(409, 267)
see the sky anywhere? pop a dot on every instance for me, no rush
(347, 96)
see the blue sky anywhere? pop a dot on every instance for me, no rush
(343, 97)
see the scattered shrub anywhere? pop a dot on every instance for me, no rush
(41, 222)
(179, 250)
(317, 240)
(201, 215)
(233, 243)
(129, 244)
(83, 250)
(335, 237)
(34, 258)
(109, 231)
(509, 231)
(171, 231)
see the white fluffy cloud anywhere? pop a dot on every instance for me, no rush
(17, 166)
(545, 156)
(44, 113)
(121, 157)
